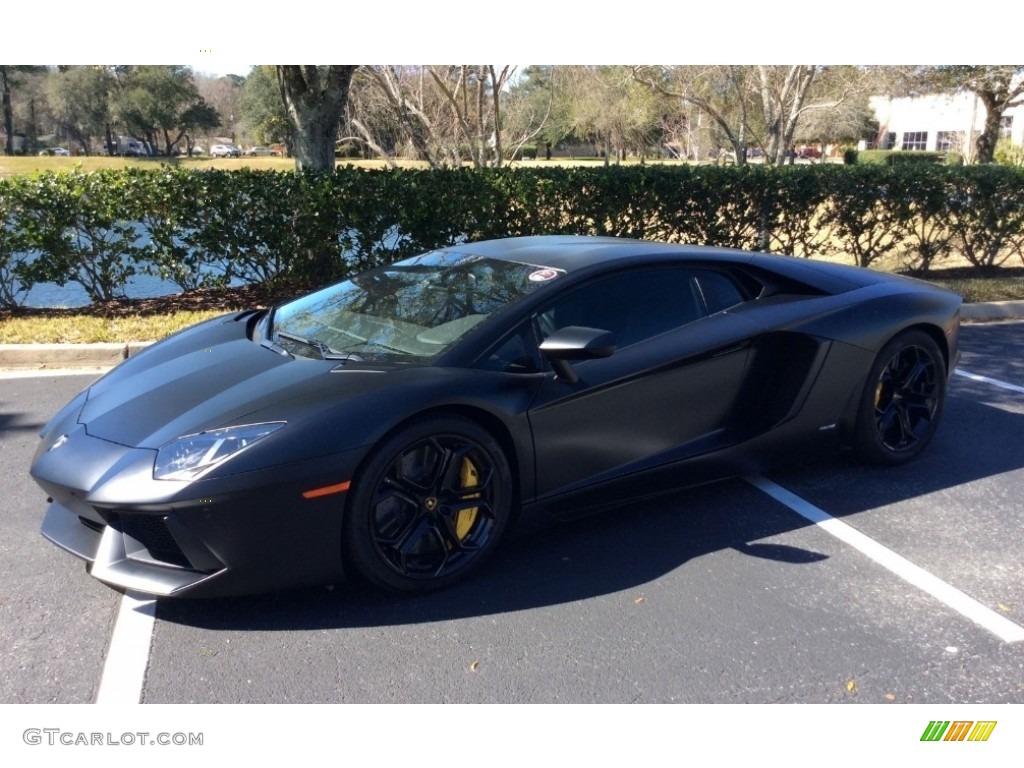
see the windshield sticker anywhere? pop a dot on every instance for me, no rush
(541, 275)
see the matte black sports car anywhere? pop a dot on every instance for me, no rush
(399, 423)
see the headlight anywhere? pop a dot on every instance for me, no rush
(190, 456)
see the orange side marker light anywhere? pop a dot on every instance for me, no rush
(327, 490)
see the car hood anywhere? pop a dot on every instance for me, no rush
(209, 376)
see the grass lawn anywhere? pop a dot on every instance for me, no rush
(88, 329)
(126, 320)
(16, 166)
(1007, 285)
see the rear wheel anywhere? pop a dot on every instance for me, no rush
(902, 401)
(429, 505)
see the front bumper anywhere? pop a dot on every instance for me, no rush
(133, 552)
(237, 534)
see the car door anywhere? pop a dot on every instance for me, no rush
(665, 394)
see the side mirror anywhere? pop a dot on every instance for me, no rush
(575, 342)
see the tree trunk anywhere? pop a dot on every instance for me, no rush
(32, 132)
(315, 98)
(8, 115)
(496, 86)
(739, 145)
(986, 141)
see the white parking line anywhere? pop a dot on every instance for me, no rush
(124, 671)
(963, 604)
(987, 380)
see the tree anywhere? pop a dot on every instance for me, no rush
(200, 117)
(445, 115)
(719, 92)
(395, 106)
(6, 83)
(262, 109)
(846, 123)
(80, 100)
(224, 95)
(473, 94)
(997, 87)
(761, 104)
(535, 107)
(783, 93)
(315, 98)
(11, 76)
(158, 102)
(615, 111)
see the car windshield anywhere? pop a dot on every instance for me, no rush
(405, 312)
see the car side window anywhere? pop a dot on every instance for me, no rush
(718, 291)
(634, 306)
(517, 353)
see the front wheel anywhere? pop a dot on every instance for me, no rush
(429, 505)
(902, 401)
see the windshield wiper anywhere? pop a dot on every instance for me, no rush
(325, 352)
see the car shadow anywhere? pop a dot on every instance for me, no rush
(612, 551)
(979, 437)
(15, 422)
(626, 548)
(984, 349)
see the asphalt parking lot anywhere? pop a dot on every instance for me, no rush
(719, 594)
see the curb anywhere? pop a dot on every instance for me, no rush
(992, 310)
(52, 356)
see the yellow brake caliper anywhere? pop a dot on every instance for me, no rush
(468, 478)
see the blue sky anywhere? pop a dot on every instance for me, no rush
(219, 65)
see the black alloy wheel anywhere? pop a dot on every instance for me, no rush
(429, 506)
(903, 399)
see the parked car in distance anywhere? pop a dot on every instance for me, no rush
(225, 150)
(261, 152)
(55, 152)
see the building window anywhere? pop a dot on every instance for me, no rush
(915, 140)
(1005, 126)
(949, 141)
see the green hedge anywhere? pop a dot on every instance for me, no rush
(203, 227)
(899, 157)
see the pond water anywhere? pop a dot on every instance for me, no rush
(74, 295)
(144, 286)
(141, 286)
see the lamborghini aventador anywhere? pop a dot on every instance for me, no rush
(399, 424)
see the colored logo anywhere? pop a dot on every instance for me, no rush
(958, 730)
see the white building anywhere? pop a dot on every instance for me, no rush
(938, 123)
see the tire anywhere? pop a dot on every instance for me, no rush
(428, 506)
(902, 401)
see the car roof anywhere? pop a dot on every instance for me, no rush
(576, 253)
(573, 252)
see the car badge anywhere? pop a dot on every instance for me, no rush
(57, 443)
